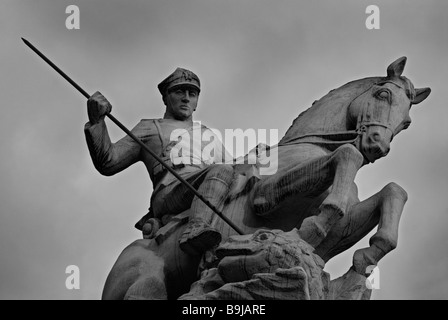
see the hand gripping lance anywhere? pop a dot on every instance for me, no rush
(129, 133)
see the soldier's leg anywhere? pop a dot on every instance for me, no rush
(199, 235)
(172, 199)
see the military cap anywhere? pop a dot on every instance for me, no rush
(179, 77)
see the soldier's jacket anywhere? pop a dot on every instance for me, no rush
(110, 158)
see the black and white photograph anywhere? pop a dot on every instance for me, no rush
(224, 150)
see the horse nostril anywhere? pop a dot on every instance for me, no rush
(376, 137)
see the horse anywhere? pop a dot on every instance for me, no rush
(312, 190)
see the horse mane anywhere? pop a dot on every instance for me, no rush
(326, 121)
(328, 113)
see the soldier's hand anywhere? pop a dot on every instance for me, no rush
(97, 107)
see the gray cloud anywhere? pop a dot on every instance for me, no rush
(261, 63)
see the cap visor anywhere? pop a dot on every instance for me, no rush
(184, 84)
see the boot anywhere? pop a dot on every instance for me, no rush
(199, 237)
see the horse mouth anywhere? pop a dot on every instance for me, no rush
(373, 153)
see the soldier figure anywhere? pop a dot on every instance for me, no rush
(209, 175)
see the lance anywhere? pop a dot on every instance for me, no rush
(129, 133)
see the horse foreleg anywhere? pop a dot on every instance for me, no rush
(346, 161)
(383, 209)
(385, 239)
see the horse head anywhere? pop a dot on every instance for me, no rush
(367, 112)
(382, 111)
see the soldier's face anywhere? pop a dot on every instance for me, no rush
(181, 102)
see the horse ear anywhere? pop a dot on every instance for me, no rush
(421, 94)
(395, 69)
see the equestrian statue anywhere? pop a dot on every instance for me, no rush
(309, 201)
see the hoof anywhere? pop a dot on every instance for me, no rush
(362, 258)
(199, 238)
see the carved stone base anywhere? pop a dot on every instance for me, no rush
(273, 265)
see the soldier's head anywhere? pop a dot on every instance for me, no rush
(180, 93)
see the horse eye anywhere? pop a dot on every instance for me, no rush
(383, 94)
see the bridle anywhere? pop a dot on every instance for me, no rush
(365, 119)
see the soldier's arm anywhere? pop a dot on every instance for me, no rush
(108, 158)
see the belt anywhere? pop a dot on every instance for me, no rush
(159, 171)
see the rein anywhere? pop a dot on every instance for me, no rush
(361, 125)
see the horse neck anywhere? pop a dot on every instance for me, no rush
(328, 116)
(320, 119)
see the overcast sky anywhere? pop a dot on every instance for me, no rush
(261, 63)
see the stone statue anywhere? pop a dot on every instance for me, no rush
(272, 264)
(180, 93)
(310, 204)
